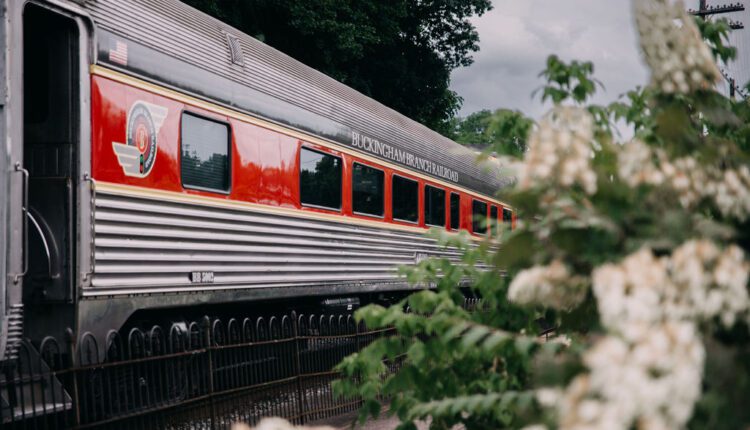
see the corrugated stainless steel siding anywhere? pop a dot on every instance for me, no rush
(175, 29)
(146, 244)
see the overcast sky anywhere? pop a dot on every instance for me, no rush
(517, 36)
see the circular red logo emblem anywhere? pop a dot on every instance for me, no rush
(142, 135)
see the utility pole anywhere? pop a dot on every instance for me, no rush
(704, 11)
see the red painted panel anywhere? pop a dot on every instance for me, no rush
(246, 167)
(448, 209)
(466, 213)
(264, 163)
(288, 187)
(111, 103)
(347, 204)
(420, 193)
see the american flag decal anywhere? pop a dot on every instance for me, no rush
(119, 53)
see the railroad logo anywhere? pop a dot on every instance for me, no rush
(138, 155)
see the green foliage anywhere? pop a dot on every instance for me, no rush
(716, 35)
(503, 131)
(723, 405)
(568, 81)
(456, 366)
(400, 53)
(634, 110)
(478, 369)
(574, 82)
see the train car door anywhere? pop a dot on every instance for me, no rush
(50, 142)
(54, 125)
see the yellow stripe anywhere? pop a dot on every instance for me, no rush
(183, 98)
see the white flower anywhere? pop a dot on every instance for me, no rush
(631, 291)
(551, 286)
(647, 372)
(562, 339)
(653, 380)
(277, 424)
(509, 165)
(731, 192)
(548, 397)
(698, 282)
(559, 151)
(638, 164)
(709, 282)
(673, 49)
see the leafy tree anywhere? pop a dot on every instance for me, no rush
(503, 131)
(473, 129)
(636, 252)
(400, 53)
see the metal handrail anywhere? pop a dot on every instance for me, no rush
(87, 177)
(24, 204)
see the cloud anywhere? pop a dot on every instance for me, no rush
(517, 36)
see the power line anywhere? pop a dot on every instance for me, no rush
(704, 11)
(734, 88)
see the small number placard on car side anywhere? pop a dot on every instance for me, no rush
(202, 277)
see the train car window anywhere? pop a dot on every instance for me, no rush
(455, 211)
(368, 186)
(405, 199)
(479, 217)
(508, 218)
(494, 223)
(205, 153)
(320, 179)
(434, 206)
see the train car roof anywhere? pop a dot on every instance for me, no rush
(172, 43)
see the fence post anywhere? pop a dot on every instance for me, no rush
(298, 368)
(357, 343)
(356, 334)
(209, 351)
(72, 347)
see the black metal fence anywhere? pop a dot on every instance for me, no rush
(202, 375)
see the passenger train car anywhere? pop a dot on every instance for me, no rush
(155, 159)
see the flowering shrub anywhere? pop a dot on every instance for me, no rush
(634, 251)
(559, 152)
(679, 60)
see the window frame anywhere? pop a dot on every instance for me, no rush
(393, 217)
(510, 220)
(424, 206)
(229, 153)
(450, 211)
(299, 183)
(486, 227)
(494, 220)
(352, 175)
